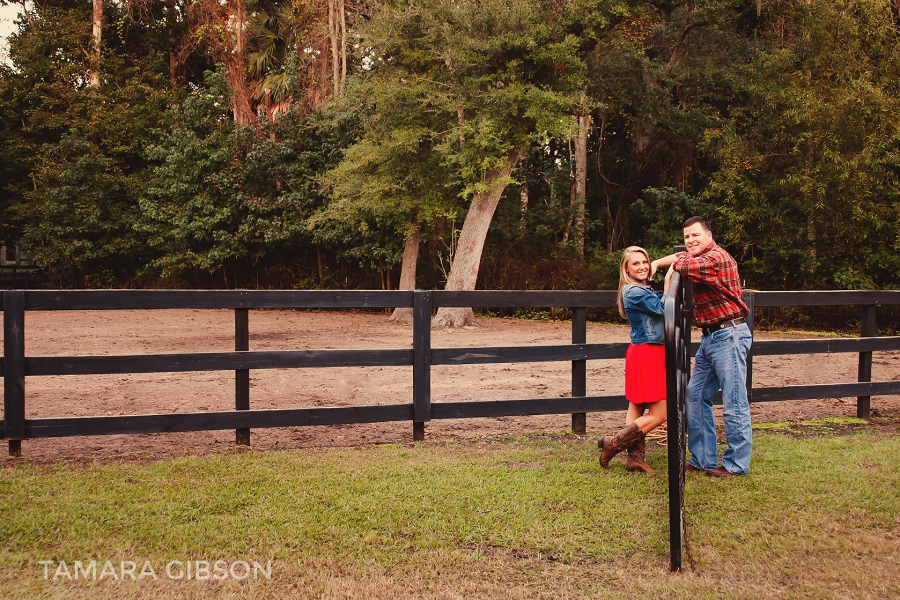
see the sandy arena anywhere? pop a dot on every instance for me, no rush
(170, 331)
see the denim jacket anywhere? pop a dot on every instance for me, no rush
(645, 310)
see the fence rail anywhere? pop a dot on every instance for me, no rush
(16, 366)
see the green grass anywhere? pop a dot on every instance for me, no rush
(527, 516)
(817, 426)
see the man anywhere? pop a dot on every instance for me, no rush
(721, 360)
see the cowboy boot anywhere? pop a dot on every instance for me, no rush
(612, 445)
(636, 454)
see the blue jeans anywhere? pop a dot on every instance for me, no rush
(721, 362)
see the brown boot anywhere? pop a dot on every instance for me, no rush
(612, 445)
(636, 454)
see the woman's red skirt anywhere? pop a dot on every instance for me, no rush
(645, 373)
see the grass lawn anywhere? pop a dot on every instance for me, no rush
(520, 517)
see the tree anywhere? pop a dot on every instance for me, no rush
(484, 80)
(390, 179)
(96, 39)
(223, 28)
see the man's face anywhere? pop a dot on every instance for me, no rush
(697, 239)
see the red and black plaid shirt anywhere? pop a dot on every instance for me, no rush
(717, 285)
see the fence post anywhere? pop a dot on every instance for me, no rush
(750, 301)
(14, 370)
(242, 376)
(867, 328)
(421, 363)
(579, 368)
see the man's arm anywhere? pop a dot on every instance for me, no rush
(665, 261)
(699, 269)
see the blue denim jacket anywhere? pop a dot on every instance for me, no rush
(645, 310)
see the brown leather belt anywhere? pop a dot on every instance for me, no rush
(723, 325)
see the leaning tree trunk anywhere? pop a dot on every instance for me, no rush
(404, 315)
(96, 34)
(464, 269)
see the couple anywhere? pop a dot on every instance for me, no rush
(721, 360)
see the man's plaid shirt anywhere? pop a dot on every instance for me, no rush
(717, 285)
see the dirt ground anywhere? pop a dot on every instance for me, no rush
(170, 331)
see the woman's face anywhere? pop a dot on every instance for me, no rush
(638, 267)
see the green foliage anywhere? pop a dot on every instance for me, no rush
(81, 217)
(808, 165)
(777, 121)
(386, 184)
(78, 161)
(219, 197)
(78, 217)
(662, 213)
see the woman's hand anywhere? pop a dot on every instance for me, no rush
(665, 261)
(669, 274)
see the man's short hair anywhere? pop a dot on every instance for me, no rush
(693, 220)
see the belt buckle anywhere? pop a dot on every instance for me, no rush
(713, 328)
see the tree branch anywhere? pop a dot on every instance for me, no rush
(676, 53)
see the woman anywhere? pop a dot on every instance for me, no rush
(645, 361)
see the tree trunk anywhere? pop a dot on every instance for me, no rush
(333, 34)
(404, 315)
(170, 26)
(319, 258)
(96, 34)
(464, 270)
(523, 205)
(342, 20)
(235, 64)
(580, 182)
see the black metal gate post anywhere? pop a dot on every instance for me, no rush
(867, 328)
(242, 376)
(421, 363)
(14, 370)
(678, 314)
(579, 368)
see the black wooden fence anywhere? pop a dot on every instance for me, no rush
(16, 366)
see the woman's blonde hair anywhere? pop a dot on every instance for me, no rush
(625, 278)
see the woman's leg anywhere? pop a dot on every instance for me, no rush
(611, 445)
(634, 412)
(637, 452)
(655, 417)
